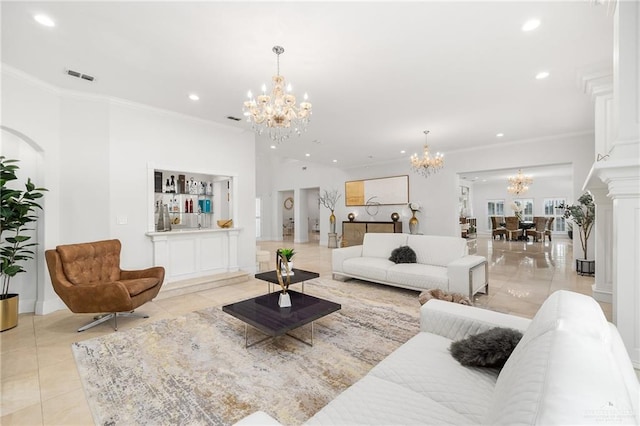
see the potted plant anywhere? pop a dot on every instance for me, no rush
(18, 213)
(329, 200)
(583, 215)
(287, 255)
(284, 268)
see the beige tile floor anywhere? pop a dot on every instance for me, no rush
(41, 386)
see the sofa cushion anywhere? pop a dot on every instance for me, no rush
(564, 370)
(424, 365)
(403, 254)
(490, 348)
(437, 250)
(381, 245)
(418, 276)
(374, 401)
(373, 268)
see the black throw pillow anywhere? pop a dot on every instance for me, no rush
(403, 254)
(490, 348)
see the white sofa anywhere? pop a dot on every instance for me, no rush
(569, 368)
(442, 262)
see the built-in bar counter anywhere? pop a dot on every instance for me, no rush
(193, 253)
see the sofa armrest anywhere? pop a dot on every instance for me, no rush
(338, 256)
(455, 321)
(259, 418)
(468, 274)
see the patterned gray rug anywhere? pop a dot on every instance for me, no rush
(195, 370)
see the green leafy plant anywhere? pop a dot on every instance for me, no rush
(287, 253)
(18, 213)
(583, 215)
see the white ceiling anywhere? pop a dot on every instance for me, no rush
(377, 73)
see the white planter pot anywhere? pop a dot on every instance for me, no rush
(283, 269)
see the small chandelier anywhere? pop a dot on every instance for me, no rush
(277, 113)
(427, 164)
(519, 184)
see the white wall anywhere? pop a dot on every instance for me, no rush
(437, 194)
(96, 154)
(303, 178)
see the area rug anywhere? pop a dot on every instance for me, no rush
(195, 370)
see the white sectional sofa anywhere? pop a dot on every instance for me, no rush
(442, 262)
(569, 368)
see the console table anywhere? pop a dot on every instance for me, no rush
(353, 232)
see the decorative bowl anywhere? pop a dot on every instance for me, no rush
(225, 223)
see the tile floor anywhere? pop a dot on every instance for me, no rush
(41, 386)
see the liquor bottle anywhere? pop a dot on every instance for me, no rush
(186, 206)
(167, 187)
(190, 205)
(173, 184)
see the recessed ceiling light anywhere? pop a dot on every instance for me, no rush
(531, 24)
(307, 155)
(542, 75)
(499, 135)
(44, 20)
(335, 161)
(272, 147)
(194, 97)
(403, 151)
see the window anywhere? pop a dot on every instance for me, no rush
(494, 208)
(258, 218)
(551, 210)
(526, 205)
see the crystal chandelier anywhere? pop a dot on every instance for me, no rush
(427, 164)
(519, 184)
(277, 113)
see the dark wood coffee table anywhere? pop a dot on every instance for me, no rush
(264, 314)
(299, 276)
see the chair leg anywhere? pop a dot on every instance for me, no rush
(99, 319)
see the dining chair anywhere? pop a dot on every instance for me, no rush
(512, 225)
(539, 229)
(497, 228)
(549, 229)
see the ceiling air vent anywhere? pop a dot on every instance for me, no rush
(233, 118)
(77, 74)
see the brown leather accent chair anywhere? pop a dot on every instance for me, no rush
(88, 279)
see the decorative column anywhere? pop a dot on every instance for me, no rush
(619, 170)
(598, 83)
(603, 233)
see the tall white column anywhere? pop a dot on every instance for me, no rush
(622, 174)
(597, 82)
(618, 168)
(603, 233)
